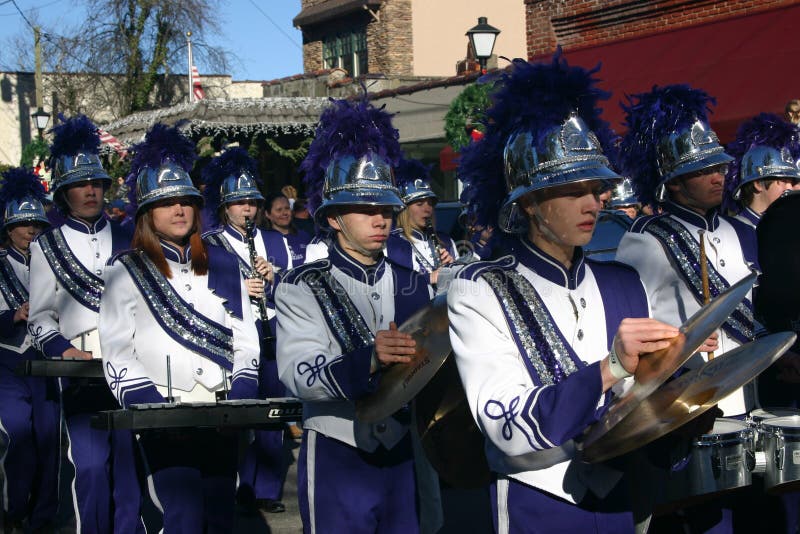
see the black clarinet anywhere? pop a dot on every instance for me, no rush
(433, 240)
(266, 331)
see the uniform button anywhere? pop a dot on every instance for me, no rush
(188, 287)
(96, 254)
(184, 271)
(583, 302)
(716, 240)
(580, 334)
(375, 296)
(199, 371)
(722, 263)
(380, 428)
(94, 239)
(98, 272)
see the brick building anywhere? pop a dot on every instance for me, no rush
(742, 52)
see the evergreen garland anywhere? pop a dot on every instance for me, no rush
(471, 103)
(38, 148)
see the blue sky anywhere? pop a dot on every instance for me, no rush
(259, 33)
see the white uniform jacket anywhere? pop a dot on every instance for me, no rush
(64, 302)
(14, 283)
(205, 325)
(328, 313)
(731, 251)
(528, 336)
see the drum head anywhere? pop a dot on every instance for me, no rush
(761, 414)
(789, 425)
(723, 430)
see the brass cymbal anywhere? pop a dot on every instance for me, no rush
(677, 402)
(401, 382)
(654, 369)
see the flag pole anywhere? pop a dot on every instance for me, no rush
(191, 62)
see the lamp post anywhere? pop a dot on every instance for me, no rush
(482, 38)
(40, 119)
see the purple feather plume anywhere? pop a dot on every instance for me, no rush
(531, 97)
(230, 163)
(73, 135)
(410, 169)
(18, 183)
(649, 118)
(347, 128)
(765, 129)
(161, 142)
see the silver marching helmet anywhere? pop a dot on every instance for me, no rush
(24, 210)
(169, 180)
(241, 187)
(570, 153)
(416, 190)
(764, 162)
(622, 195)
(367, 181)
(71, 169)
(688, 150)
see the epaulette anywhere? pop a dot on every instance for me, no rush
(475, 270)
(297, 274)
(115, 257)
(640, 224)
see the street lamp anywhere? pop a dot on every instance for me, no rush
(40, 119)
(482, 38)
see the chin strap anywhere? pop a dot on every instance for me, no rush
(351, 242)
(542, 224)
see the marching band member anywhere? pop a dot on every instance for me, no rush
(232, 196)
(279, 214)
(765, 155)
(612, 223)
(176, 315)
(542, 337)
(29, 410)
(415, 243)
(675, 160)
(337, 328)
(66, 267)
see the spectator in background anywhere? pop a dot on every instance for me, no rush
(301, 218)
(792, 111)
(279, 213)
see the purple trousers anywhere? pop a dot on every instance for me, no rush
(262, 470)
(192, 479)
(106, 491)
(521, 509)
(30, 424)
(344, 489)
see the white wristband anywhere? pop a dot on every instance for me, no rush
(615, 366)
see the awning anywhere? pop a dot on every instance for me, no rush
(330, 9)
(749, 63)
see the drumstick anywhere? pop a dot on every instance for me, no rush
(704, 277)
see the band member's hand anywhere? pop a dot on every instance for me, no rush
(434, 277)
(264, 268)
(486, 234)
(711, 344)
(636, 337)
(445, 257)
(255, 287)
(394, 346)
(76, 354)
(22, 312)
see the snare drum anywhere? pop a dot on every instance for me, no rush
(782, 450)
(722, 459)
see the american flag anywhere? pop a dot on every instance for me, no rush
(112, 141)
(197, 85)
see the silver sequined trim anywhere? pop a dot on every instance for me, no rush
(534, 304)
(7, 281)
(331, 309)
(76, 270)
(174, 307)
